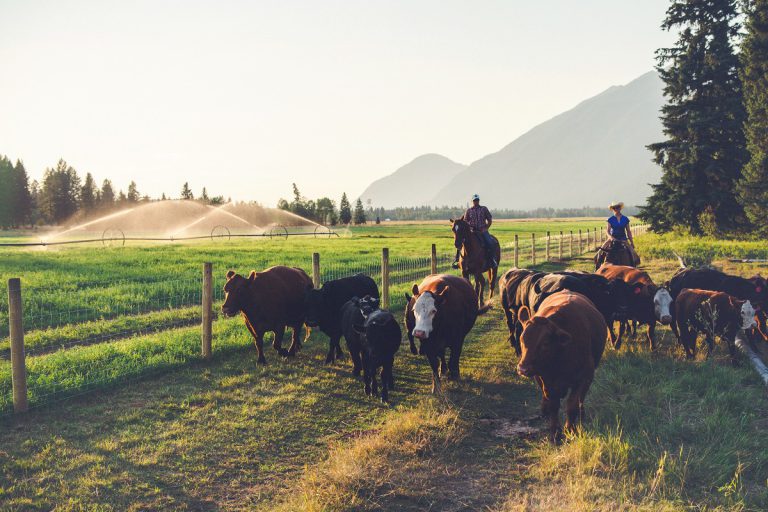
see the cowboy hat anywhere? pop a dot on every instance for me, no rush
(475, 197)
(616, 204)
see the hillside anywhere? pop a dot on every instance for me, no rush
(586, 156)
(427, 172)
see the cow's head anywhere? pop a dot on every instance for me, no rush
(461, 232)
(620, 296)
(662, 302)
(747, 313)
(424, 310)
(368, 307)
(761, 291)
(236, 292)
(540, 342)
(314, 305)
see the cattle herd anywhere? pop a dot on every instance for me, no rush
(558, 322)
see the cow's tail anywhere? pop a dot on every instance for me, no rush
(486, 307)
(493, 276)
(679, 259)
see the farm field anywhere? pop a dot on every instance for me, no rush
(662, 433)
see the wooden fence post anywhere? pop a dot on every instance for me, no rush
(434, 259)
(560, 248)
(207, 312)
(517, 253)
(548, 242)
(316, 269)
(581, 242)
(533, 248)
(18, 362)
(385, 278)
(594, 239)
(571, 245)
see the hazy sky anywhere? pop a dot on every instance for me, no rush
(246, 97)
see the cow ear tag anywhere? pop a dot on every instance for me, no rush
(637, 291)
(759, 289)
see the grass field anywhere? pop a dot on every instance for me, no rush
(662, 433)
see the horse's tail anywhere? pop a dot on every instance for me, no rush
(493, 274)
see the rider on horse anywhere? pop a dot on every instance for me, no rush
(619, 233)
(479, 220)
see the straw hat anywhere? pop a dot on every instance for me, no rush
(616, 204)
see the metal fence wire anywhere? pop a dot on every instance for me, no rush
(122, 330)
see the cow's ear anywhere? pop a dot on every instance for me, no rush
(451, 220)
(252, 276)
(524, 316)
(230, 274)
(415, 289)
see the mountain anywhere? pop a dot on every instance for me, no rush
(427, 172)
(586, 156)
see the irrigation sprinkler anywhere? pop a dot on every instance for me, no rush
(324, 231)
(221, 231)
(278, 231)
(113, 237)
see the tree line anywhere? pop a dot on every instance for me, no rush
(62, 195)
(323, 210)
(714, 158)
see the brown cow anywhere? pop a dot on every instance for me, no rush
(649, 303)
(714, 314)
(269, 301)
(562, 345)
(440, 314)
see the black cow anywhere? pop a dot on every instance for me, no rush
(379, 342)
(515, 288)
(323, 307)
(353, 314)
(611, 298)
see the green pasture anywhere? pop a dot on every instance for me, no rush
(161, 429)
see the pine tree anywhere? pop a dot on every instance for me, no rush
(359, 213)
(133, 193)
(6, 193)
(204, 196)
(701, 159)
(107, 196)
(88, 194)
(345, 212)
(186, 192)
(753, 187)
(60, 193)
(163, 198)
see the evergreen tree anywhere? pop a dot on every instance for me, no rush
(22, 207)
(60, 193)
(6, 193)
(163, 198)
(186, 192)
(345, 212)
(325, 211)
(204, 196)
(701, 159)
(107, 195)
(359, 213)
(88, 194)
(122, 198)
(753, 187)
(133, 193)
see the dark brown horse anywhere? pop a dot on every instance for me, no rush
(473, 260)
(616, 252)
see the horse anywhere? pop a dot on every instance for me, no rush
(473, 260)
(616, 252)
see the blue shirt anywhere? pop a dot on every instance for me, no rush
(618, 227)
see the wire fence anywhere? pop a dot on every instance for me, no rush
(126, 329)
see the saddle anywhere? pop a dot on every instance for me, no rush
(612, 250)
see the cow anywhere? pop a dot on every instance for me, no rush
(761, 288)
(440, 314)
(352, 321)
(611, 298)
(269, 301)
(323, 307)
(714, 314)
(649, 303)
(562, 345)
(515, 288)
(753, 289)
(379, 342)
